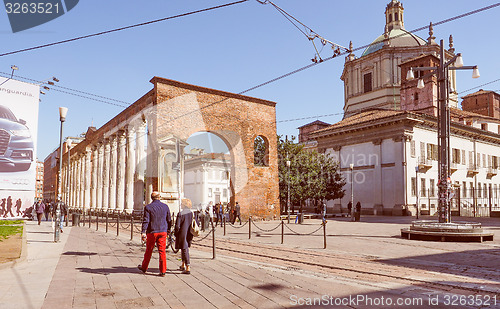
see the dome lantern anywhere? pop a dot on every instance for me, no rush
(394, 16)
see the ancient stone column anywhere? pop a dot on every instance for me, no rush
(86, 189)
(73, 183)
(112, 173)
(82, 181)
(130, 169)
(105, 175)
(120, 172)
(93, 185)
(100, 172)
(140, 166)
(77, 189)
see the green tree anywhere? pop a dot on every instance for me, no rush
(312, 175)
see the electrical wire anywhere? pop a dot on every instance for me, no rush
(121, 28)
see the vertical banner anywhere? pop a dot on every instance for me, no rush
(18, 134)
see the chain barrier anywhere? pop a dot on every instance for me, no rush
(111, 224)
(124, 228)
(264, 230)
(238, 227)
(138, 228)
(320, 227)
(203, 238)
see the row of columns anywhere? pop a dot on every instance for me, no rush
(108, 175)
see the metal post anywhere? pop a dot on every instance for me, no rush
(107, 220)
(224, 220)
(282, 231)
(117, 224)
(250, 227)
(324, 235)
(97, 221)
(132, 225)
(90, 217)
(351, 166)
(288, 189)
(213, 240)
(416, 188)
(62, 118)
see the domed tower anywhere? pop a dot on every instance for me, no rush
(374, 79)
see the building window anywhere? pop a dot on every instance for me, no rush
(224, 193)
(432, 189)
(484, 161)
(479, 189)
(209, 192)
(463, 157)
(478, 163)
(485, 190)
(423, 190)
(413, 186)
(464, 189)
(390, 18)
(432, 152)
(412, 149)
(396, 17)
(455, 155)
(261, 151)
(367, 79)
(484, 126)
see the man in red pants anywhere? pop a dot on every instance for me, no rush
(155, 225)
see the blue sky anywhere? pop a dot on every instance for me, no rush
(230, 49)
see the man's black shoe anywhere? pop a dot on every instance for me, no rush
(140, 268)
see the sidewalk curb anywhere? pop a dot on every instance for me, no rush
(24, 252)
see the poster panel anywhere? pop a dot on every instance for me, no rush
(18, 140)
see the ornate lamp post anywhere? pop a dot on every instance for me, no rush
(288, 193)
(442, 72)
(62, 117)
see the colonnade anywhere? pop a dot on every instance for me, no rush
(108, 174)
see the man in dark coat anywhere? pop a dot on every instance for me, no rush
(183, 236)
(155, 225)
(39, 208)
(237, 213)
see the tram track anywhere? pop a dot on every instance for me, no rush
(353, 266)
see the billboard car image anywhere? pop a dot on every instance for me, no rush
(16, 144)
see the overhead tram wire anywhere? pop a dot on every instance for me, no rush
(122, 28)
(78, 93)
(314, 64)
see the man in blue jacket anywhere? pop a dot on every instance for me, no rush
(155, 225)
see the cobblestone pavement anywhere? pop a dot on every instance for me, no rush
(365, 265)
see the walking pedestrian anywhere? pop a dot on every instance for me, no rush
(358, 210)
(64, 213)
(349, 208)
(9, 207)
(19, 204)
(183, 235)
(40, 209)
(237, 213)
(155, 227)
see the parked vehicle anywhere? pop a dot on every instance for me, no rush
(16, 144)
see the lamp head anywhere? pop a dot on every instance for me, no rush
(62, 113)
(475, 73)
(410, 75)
(420, 84)
(288, 163)
(459, 62)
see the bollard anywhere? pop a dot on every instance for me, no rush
(224, 220)
(118, 224)
(213, 241)
(131, 226)
(97, 221)
(324, 235)
(250, 227)
(90, 217)
(282, 230)
(107, 220)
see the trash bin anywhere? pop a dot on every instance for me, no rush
(301, 218)
(76, 219)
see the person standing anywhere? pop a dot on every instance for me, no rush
(183, 235)
(64, 213)
(9, 207)
(237, 213)
(155, 226)
(358, 211)
(40, 209)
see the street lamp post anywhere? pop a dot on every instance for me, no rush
(416, 188)
(62, 117)
(443, 116)
(351, 167)
(288, 193)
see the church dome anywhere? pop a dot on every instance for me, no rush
(396, 38)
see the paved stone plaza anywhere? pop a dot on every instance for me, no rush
(365, 265)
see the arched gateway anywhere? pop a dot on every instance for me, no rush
(112, 170)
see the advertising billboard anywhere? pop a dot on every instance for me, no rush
(18, 134)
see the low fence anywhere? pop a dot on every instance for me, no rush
(121, 222)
